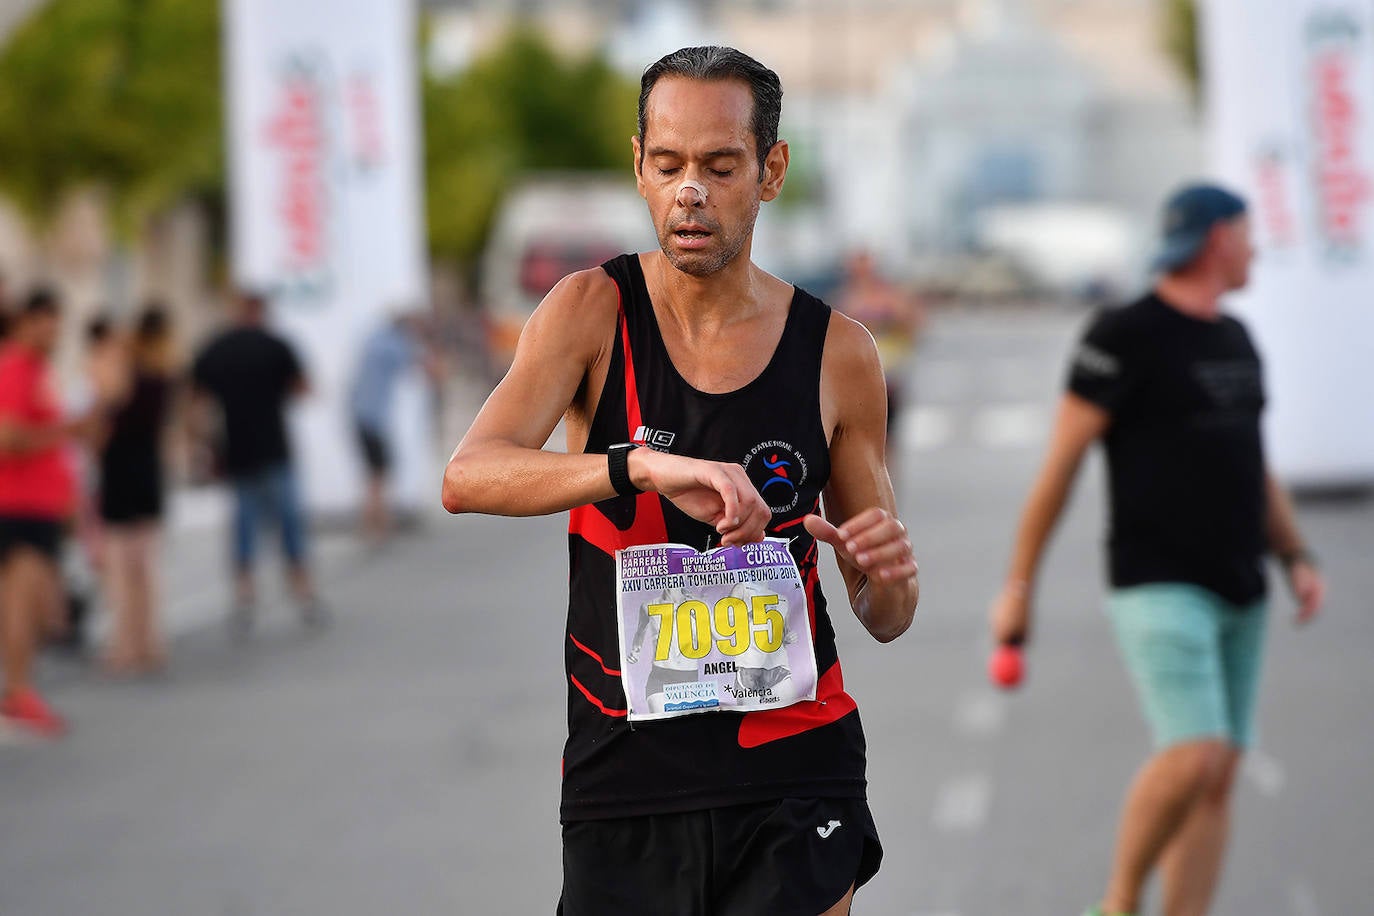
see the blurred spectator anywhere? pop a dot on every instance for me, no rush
(893, 316)
(252, 374)
(131, 497)
(4, 309)
(101, 385)
(37, 496)
(388, 352)
(107, 363)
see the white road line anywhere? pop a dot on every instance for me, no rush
(1010, 426)
(1266, 773)
(961, 806)
(925, 429)
(1303, 900)
(979, 713)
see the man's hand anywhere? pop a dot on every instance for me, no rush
(1011, 615)
(873, 542)
(1308, 587)
(714, 492)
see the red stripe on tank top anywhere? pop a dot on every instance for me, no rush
(649, 525)
(599, 660)
(815, 507)
(607, 710)
(831, 705)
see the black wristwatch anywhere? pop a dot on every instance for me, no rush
(618, 461)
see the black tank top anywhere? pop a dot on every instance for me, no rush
(813, 748)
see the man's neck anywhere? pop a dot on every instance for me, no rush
(704, 304)
(1194, 296)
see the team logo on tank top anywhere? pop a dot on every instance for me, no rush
(778, 471)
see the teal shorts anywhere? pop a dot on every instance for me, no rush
(1194, 659)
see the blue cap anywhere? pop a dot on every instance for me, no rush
(1189, 215)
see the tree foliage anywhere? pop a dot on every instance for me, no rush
(124, 94)
(520, 107)
(1181, 40)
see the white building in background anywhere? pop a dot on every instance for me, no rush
(918, 124)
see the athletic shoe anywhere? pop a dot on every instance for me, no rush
(29, 712)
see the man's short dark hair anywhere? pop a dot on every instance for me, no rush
(41, 301)
(712, 63)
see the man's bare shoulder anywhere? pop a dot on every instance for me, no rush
(577, 312)
(583, 293)
(849, 347)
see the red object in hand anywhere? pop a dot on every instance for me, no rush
(1005, 667)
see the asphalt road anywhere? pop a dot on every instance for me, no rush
(406, 761)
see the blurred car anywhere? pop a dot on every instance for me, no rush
(548, 227)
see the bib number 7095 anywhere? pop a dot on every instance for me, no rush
(731, 626)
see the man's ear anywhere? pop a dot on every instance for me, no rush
(774, 170)
(638, 150)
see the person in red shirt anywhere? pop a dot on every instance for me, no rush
(37, 495)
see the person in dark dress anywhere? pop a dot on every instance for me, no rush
(131, 497)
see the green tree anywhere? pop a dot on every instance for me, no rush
(520, 107)
(124, 94)
(1181, 41)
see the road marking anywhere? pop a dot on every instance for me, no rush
(1010, 426)
(1266, 772)
(979, 713)
(961, 806)
(1303, 900)
(925, 429)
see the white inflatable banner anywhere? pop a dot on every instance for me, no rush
(1290, 101)
(323, 137)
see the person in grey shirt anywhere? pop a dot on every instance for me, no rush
(388, 353)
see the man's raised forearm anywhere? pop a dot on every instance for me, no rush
(507, 479)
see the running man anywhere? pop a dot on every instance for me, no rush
(719, 372)
(1172, 387)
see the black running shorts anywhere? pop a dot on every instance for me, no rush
(794, 857)
(41, 534)
(376, 455)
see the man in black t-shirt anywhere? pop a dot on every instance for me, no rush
(1173, 388)
(252, 374)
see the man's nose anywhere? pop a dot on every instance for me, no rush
(692, 194)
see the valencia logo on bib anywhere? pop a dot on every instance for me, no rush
(778, 471)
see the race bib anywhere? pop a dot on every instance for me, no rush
(722, 631)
